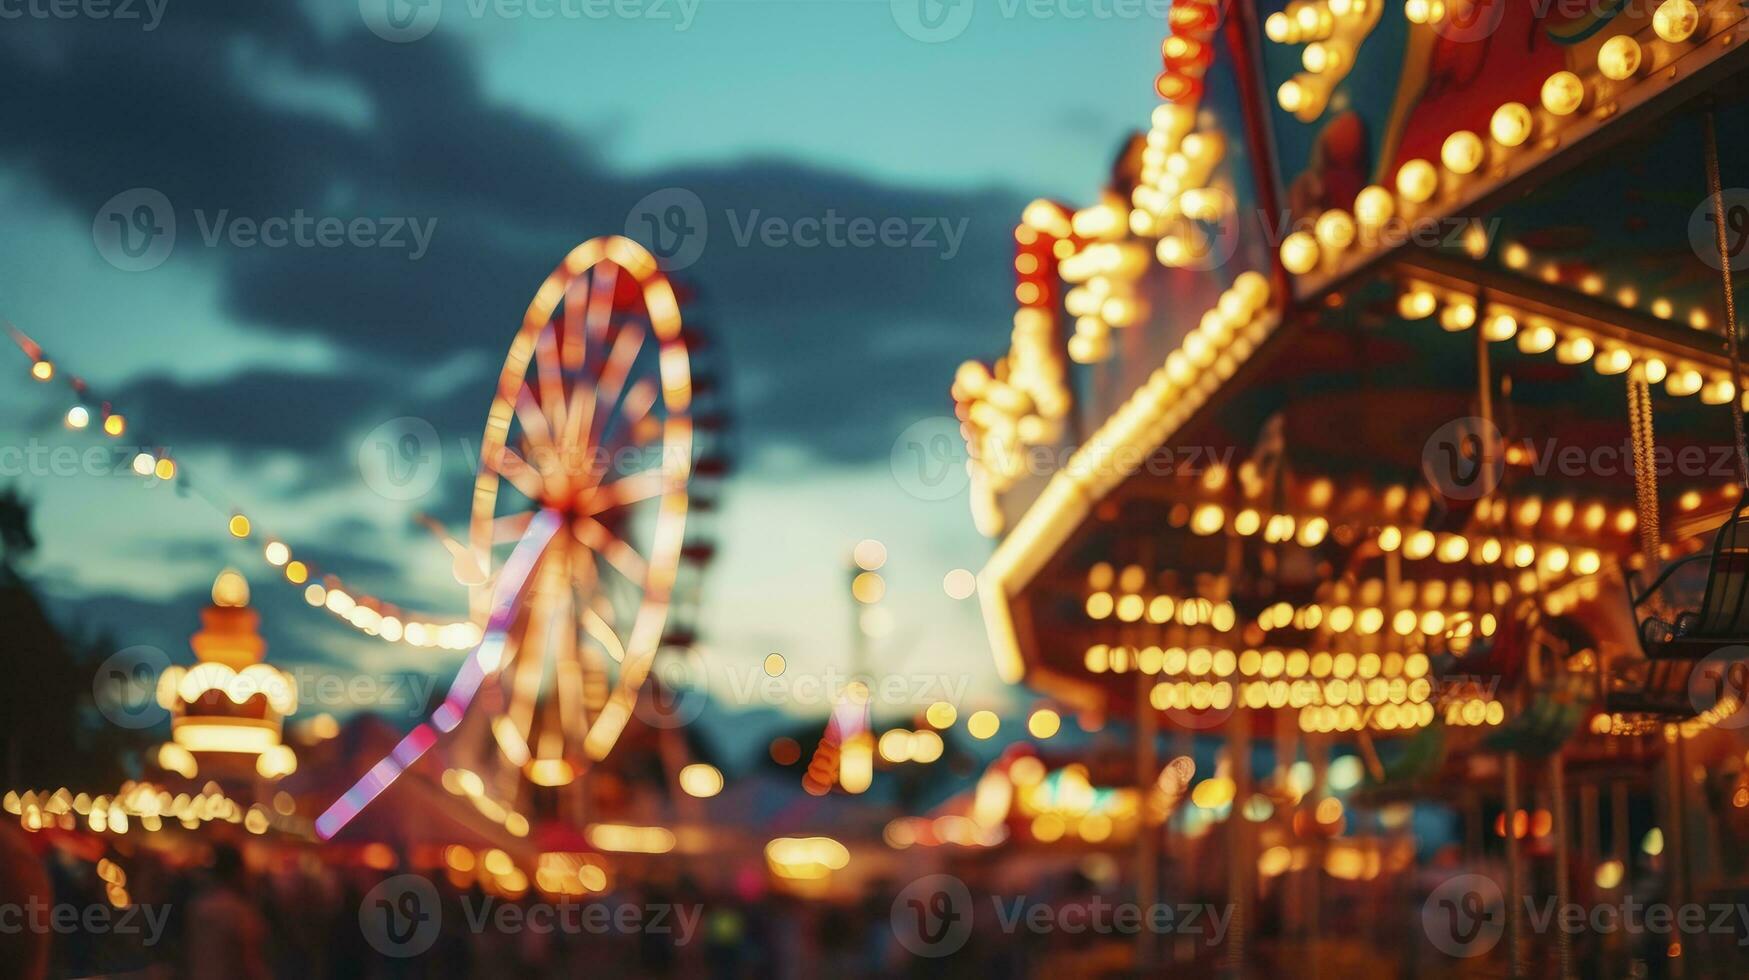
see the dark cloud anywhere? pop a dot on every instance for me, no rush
(99, 110)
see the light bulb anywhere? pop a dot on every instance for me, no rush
(1619, 58)
(1299, 253)
(1335, 229)
(1676, 20)
(1374, 206)
(1417, 181)
(1511, 124)
(1462, 152)
(1563, 93)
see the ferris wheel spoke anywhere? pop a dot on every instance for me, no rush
(626, 347)
(535, 430)
(510, 465)
(552, 385)
(571, 348)
(628, 427)
(599, 630)
(637, 488)
(567, 667)
(619, 554)
(605, 285)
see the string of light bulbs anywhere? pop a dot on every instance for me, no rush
(364, 612)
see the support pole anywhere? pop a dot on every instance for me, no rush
(1563, 891)
(1241, 863)
(1147, 836)
(1675, 842)
(1514, 937)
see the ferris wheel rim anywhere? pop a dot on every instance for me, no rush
(670, 495)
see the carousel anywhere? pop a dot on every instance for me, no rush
(1374, 445)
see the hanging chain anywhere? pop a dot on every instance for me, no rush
(1645, 473)
(1736, 405)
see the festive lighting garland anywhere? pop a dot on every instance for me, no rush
(486, 657)
(1518, 137)
(363, 612)
(1540, 334)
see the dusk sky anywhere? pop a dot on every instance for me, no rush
(510, 138)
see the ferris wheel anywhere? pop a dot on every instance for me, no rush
(590, 427)
(577, 532)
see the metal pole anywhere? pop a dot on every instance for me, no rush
(1675, 844)
(1514, 941)
(1558, 808)
(1147, 836)
(1241, 864)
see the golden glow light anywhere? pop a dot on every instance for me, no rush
(1563, 93)
(1511, 125)
(983, 724)
(1417, 181)
(1676, 20)
(1299, 253)
(1462, 153)
(941, 714)
(1044, 723)
(1335, 229)
(868, 587)
(1620, 57)
(630, 839)
(1374, 206)
(701, 780)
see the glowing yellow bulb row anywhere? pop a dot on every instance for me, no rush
(1132, 607)
(1227, 335)
(1463, 154)
(1222, 662)
(1356, 718)
(1569, 344)
(1333, 33)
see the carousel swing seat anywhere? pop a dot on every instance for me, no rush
(1723, 618)
(1650, 687)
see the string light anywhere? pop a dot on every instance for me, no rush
(363, 612)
